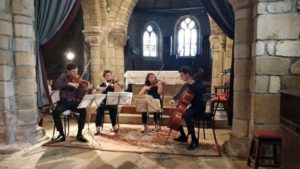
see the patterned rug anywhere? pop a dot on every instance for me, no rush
(129, 139)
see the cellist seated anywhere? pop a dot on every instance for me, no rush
(197, 105)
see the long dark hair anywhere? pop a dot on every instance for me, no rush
(147, 82)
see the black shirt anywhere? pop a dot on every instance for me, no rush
(197, 89)
(109, 88)
(153, 91)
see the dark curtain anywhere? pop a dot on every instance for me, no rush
(222, 13)
(52, 19)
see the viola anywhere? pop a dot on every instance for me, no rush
(83, 84)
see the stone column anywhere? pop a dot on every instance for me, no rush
(18, 110)
(7, 91)
(94, 38)
(217, 40)
(117, 58)
(276, 59)
(221, 54)
(238, 142)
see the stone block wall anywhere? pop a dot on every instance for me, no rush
(276, 58)
(18, 110)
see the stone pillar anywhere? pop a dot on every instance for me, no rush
(238, 142)
(116, 59)
(217, 41)
(18, 110)
(94, 38)
(221, 54)
(276, 58)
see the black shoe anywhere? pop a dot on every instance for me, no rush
(60, 138)
(193, 145)
(81, 138)
(181, 138)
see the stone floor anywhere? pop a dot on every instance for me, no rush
(48, 157)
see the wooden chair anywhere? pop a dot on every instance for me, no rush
(260, 139)
(220, 98)
(206, 119)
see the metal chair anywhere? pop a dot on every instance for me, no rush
(66, 115)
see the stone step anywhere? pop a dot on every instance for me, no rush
(126, 118)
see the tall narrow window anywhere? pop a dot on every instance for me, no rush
(187, 35)
(150, 42)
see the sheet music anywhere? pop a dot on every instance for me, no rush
(98, 99)
(118, 98)
(147, 103)
(141, 105)
(86, 101)
(154, 105)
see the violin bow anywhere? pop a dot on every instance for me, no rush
(160, 70)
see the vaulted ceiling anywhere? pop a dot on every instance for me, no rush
(161, 5)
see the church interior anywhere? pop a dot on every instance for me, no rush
(150, 84)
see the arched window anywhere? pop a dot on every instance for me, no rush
(187, 36)
(150, 41)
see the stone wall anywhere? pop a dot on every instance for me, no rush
(266, 58)
(276, 58)
(18, 110)
(105, 29)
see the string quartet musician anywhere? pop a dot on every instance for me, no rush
(153, 87)
(196, 107)
(109, 85)
(71, 95)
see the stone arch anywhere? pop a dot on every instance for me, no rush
(123, 15)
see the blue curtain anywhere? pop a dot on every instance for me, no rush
(222, 13)
(50, 15)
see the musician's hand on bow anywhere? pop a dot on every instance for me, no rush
(159, 83)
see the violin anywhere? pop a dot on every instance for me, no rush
(83, 84)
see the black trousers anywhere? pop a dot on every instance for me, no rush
(145, 117)
(63, 106)
(113, 110)
(189, 118)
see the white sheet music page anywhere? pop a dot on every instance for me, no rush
(98, 100)
(86, 101)
(118, 98)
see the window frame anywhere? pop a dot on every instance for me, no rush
(176, 37)
(157, 32)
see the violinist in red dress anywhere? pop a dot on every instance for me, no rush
(71, 93)
(194, 91)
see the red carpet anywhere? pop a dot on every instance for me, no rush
(130, 140)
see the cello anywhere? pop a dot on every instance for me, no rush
(183, 104)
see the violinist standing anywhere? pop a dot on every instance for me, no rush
(153, 87)
(109, 85)
(197, 105)
(70, 96)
